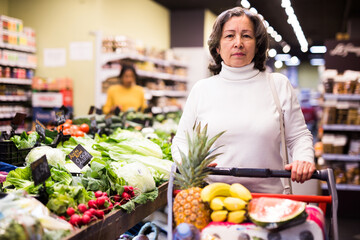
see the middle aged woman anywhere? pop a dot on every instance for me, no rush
(239, 100)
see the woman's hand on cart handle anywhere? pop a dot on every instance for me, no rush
(301, 170)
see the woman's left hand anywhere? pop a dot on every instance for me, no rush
(301, 170)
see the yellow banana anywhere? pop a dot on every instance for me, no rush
(215, 190)
(234, 204)
(217, 203)
(239, 191)
(219, 216)
(236, 216)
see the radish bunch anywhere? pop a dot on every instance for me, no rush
(95, 209)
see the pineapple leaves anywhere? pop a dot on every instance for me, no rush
(193, 167)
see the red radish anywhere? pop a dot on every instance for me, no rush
(85, 219)
(93, 211)
(132, 193)
(63, 217)
(98, 194)
(100, 201)
(105, 194)
(125, 196)
(106, 198)
(117, 204)
(75, 220)
(89, 213)
(99, 214)
(82, 207)
(117, 198)
(70, 211)
(126, 188)
(110, 207)
(131, 188)
(92, 204)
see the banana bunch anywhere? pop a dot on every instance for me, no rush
(228, 202)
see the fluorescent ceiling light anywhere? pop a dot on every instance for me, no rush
(283, 57)
(318, 49)
(272, 52)
(253, 10)
(278, 64)
(317, 62)
(245, 3)
(294, 61)
(286, 48)
(278, 38)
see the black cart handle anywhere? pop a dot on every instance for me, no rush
(262, 173)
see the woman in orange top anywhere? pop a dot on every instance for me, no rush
(126, 95)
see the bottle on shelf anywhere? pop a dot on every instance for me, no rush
(185, 231)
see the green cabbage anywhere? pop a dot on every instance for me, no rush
(55, 157)
(135, 174)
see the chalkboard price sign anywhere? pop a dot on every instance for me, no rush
(60, 117)
(18, 119)
(91, 110)
(80, 156)
(40, 128)
(40, 170)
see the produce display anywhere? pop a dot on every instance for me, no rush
(125, 169)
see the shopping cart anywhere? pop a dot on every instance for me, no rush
(324, 175)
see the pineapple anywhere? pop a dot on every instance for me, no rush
(188, 206)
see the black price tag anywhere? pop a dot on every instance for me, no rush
(108, 120)
(92, 122)
(18, 119)
(64, 109)
(91, 110)
(117, 111)
(98, 111)
(80, 156)
(60, 118)
(40, 170)
(40, 128)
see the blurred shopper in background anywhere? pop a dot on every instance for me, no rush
(126, 95)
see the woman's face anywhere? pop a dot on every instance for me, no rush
(128, 79)
(237, 43)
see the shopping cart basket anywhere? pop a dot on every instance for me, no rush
(324, 175)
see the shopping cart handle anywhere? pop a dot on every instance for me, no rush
(262, 173)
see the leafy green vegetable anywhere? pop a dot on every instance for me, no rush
(61, 176)
(135, 174)
(85, 141)
(55, 157)
(162, 166)
(24, 140)
(165, 146)
(140, 199)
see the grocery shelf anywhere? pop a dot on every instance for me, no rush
(114, 72)
(341, 127)
(20, 65)
(111, 57)
(14, 98)
(343, 187)
(167, 93)
(16, 81)
(18, 48)
(341, 157)
(330, 96)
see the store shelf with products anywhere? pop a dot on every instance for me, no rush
(348, 97)
(341, 157)
(341, 127)
(159, 72)
(17, 65)
(16, 81)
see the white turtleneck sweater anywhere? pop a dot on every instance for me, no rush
(240, 101)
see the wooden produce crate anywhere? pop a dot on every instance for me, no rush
(118, 222)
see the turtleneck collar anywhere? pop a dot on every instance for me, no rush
(240, 73)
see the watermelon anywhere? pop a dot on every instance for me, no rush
(276, 213)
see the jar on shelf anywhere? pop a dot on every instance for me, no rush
(328, 141)
(339, 144)
(329, 85)
(342, 109)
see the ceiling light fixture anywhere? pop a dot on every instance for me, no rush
(245, 3)
(278, 64)
(286, 48)
(272, 52)
(293, 21)
(318, 49)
